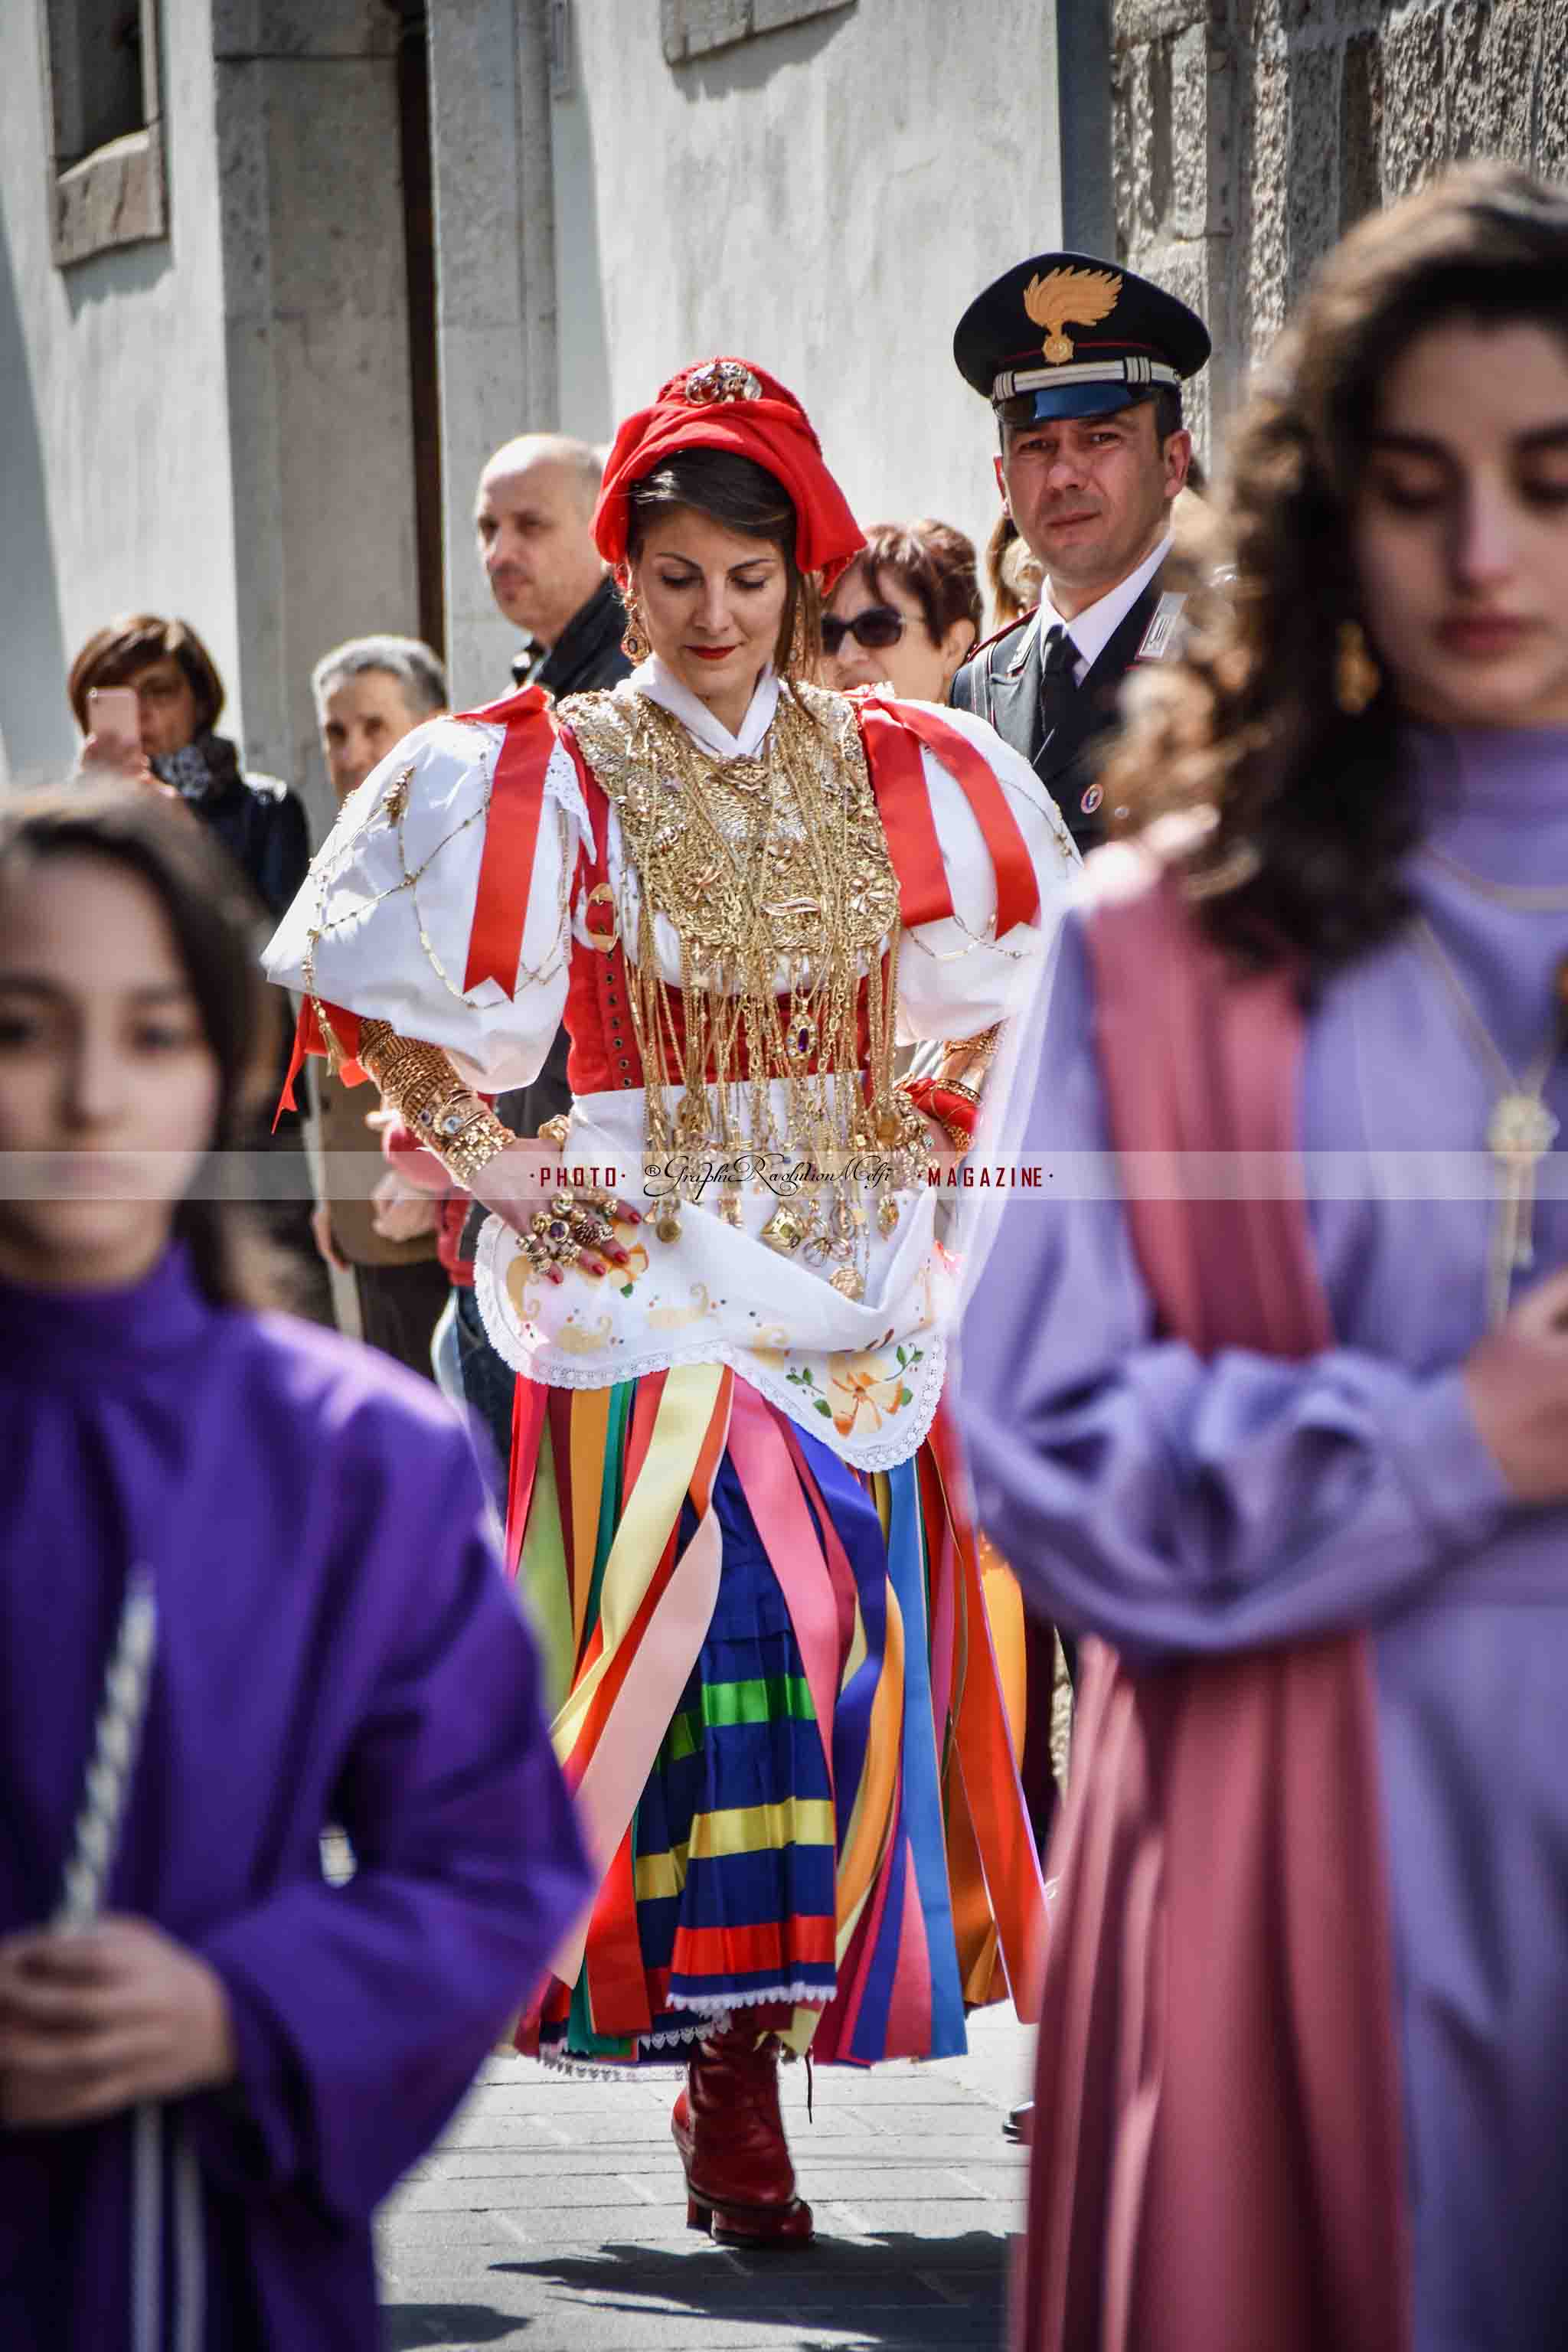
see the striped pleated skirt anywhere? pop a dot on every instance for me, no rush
(789, 1697)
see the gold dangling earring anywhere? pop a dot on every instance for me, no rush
(1357, 677)
(634, 643)
(798, 644)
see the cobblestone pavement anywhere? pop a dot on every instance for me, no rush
(551, 2217)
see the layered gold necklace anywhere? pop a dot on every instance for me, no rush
(774, 875)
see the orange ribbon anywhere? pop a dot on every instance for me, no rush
(893, 734)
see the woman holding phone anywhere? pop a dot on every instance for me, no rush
(147, 696)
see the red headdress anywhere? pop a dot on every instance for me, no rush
(727, 403)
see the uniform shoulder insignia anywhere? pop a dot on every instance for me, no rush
(1162, 639)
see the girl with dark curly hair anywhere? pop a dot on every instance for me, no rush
(1285, 1424)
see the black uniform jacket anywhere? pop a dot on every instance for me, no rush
(1000, 682)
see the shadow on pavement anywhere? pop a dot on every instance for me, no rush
(409, 2327)
(897, 2292)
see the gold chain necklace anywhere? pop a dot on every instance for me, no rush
(1520, 1131)
(774, 875)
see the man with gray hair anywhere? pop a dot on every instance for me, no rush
(369, 693)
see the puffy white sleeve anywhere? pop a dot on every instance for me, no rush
(382, 922)
(956, 977)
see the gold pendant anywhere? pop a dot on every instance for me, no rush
(668, 1225)
(784, 1230)
(886, 1217)
(846, 1281)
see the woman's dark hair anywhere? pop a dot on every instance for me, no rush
(1313, 810)
(114, 653)
(932, 563)
(215, 926)
(742, 496)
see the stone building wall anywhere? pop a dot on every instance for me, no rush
(1248, 134)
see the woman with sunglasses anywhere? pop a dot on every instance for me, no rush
(246, 1590)
(733, 1503)
(905, 613)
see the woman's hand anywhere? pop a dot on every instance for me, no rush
(1517, 1381)
(96, 2021)
(400, 1212)
(111, 755)
(561, 1230)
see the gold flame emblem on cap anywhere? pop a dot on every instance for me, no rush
(1079, 298)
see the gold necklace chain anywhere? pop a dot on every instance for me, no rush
(1520, 1131)
(775, 876)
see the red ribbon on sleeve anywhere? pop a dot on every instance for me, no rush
(893, 734)
(309, 1039)
(512, 836)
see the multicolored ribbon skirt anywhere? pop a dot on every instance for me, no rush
(790, 1698)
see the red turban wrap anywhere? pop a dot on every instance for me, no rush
(727, 403)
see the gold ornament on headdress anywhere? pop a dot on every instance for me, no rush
(1079, 298)
(720, 380)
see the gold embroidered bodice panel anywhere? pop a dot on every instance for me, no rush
(751, 859)
(773, 874)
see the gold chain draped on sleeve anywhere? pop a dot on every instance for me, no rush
(422, 1086)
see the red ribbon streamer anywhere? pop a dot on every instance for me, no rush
(512, 836)
(893, 734)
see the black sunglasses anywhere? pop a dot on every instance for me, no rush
(876, 628)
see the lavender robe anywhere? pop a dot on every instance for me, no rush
(1178, 1506)
(336, 1643)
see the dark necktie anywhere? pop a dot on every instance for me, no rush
(1058, 687)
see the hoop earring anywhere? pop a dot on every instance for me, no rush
(1357, 678)
(634, 643)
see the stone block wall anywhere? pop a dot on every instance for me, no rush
(1248, 134)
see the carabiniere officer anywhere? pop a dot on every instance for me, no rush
(1083, 363)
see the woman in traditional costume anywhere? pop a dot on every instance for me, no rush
(1299, 1457)
(732, 1500)
(246, 1591)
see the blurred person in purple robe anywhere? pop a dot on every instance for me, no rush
(1299, 1458)
(214, 2063)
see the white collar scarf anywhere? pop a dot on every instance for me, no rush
(661, 686)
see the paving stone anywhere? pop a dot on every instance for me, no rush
(552, 2216)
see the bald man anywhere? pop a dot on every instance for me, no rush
(533, 516)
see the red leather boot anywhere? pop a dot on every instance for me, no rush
(739, 2182)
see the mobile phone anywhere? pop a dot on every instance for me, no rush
(114, 715)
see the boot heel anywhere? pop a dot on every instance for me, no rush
(699, 2216)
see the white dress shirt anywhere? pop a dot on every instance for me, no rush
(1092, 629)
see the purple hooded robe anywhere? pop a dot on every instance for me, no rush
(1187, 1507)
(336, 1645)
